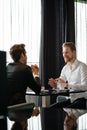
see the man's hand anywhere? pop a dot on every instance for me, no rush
(35, 69)
(35, 112)
(52, 82)
(60, 80)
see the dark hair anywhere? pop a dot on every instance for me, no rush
(16, 51)
(16, 126)
(71, 45)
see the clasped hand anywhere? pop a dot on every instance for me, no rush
(55, 82)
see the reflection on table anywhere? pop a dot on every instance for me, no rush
(44, 100)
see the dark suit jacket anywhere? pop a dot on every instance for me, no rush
(37, 79)
(19, 78)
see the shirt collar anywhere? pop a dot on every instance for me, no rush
(73, 65)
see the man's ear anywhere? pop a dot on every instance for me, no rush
(22, 55)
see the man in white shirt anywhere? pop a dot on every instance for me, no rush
(73, 76)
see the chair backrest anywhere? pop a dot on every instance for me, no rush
(19, 111)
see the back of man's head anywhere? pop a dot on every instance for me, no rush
(16, 51)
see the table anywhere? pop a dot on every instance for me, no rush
(47, 97)
(51, 118)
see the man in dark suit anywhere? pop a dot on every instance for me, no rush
(19, 76)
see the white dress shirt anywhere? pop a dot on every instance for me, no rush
(76, 75)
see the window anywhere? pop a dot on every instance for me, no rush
(81, 43)
(81, 30)
(20, 22)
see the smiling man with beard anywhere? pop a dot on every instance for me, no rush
(73, 76)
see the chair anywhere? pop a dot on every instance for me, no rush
(20, 111)
(79, 103)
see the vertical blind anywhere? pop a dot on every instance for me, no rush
(81, 30)
(20, 22)
(81, 44)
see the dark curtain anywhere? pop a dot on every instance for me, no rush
(57, 27)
